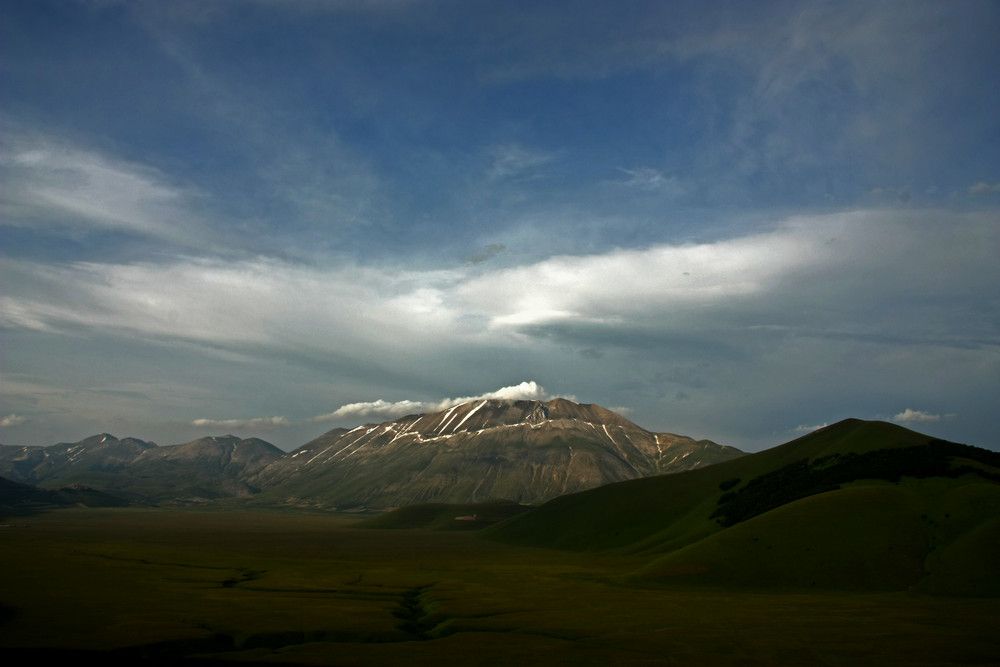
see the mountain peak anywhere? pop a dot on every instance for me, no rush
(522, 450)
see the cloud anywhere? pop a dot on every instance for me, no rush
(12, 420)
(53, 183)
(306, 172)
(848, 274)
(516, 161)
(609, 288)
(257, 301)
(255, 423)
(803, 428)
(843, 275)
(883, 297)
(982, 188)
(902, 194)
(525, 391)
(909, 416)
(650, 180)
(766, 312)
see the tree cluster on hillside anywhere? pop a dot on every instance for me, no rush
(804, 478)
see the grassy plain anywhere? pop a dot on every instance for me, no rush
(295, 587)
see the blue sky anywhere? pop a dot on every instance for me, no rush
(735, 221)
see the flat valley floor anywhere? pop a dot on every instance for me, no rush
(277, 587)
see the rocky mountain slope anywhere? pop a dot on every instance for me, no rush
(526, 451)
(523, 451)
(96, 454)
(206, 468)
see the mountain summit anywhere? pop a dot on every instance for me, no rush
(527, 451)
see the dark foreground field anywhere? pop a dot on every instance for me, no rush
(305, 588)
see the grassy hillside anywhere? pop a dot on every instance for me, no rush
(672, 511)
(919, 534)
(857, 505)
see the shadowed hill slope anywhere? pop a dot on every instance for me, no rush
(17, 498)
(865, 505)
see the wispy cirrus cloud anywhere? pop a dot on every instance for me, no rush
(516, 161)
(256, 302)
(529, 391)
(54, 184)
(647, 179)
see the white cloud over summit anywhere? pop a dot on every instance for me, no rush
(525, 391)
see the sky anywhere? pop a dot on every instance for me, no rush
(730, 220)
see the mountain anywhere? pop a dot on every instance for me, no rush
(856, 505)
(206, 468)
(102, 453)
(524, 451)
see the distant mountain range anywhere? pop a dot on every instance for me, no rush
(524, 451)
(139, 471)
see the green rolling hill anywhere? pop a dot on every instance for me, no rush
(856, 505)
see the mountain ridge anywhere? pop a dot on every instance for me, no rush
(478, 451)
(137, 470)
(522, 450)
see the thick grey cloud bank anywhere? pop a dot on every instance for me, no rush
(866, 275)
